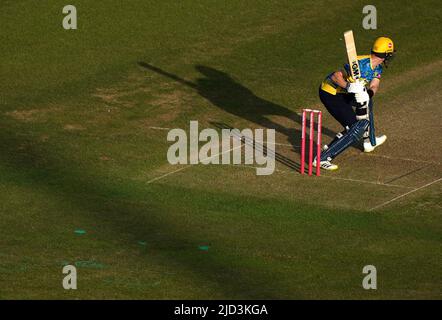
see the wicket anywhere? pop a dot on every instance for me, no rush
(312, 114)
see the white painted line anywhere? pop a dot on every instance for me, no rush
(403, 159)
(290, 172)
(366, 181)
(159, 128)
(190, 165)
(167, 174)
(405, 194)
(282, 144)
(333, 178)
(279, 144)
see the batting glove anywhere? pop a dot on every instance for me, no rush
(355, 87)
(362, 97)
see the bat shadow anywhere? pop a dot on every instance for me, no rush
(261, 147)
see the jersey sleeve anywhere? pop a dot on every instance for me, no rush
(377, 72)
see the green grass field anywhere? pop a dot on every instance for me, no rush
(81, 149)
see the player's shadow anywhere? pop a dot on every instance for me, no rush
(225, 93)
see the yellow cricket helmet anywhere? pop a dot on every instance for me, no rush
(383, 47)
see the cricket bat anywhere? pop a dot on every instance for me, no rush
(352, 55)
(356, 75)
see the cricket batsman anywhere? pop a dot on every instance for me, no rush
(350, 102)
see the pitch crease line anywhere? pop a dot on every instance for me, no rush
(405, 194)
(190, 165)
(334, 178)
(159, 128)
(402, 159)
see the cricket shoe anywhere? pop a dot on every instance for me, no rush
(379, 140)
(326, 165)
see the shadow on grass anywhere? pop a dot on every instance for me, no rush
(105, 200)
(225, 93)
